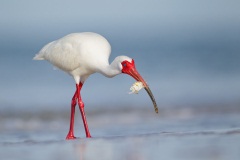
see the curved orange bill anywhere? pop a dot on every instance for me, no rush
(134, 73)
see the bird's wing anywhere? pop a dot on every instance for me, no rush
(61, 54)
(82, 51)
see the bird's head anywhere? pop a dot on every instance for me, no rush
(127, 66)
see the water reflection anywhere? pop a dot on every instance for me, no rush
(174, 145)
(126, 135)
(80, 149)
(109, 149)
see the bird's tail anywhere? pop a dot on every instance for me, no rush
(43, 51)
(38, 57)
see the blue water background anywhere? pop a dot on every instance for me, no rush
(188, 52)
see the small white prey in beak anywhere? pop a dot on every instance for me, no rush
(136, 87)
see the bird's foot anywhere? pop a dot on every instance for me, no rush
(88, 136)
(70, 136)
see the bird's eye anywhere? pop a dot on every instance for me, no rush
(124, 64)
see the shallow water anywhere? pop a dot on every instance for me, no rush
(124, 135)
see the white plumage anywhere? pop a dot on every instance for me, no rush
(82, 54)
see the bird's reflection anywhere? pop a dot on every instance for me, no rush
(111, 149)
(80, 149)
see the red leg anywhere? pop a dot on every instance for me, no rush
(81, 107)
(73, 104)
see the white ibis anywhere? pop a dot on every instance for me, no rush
(82, 54)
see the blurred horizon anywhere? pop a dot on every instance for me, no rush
(187, 51)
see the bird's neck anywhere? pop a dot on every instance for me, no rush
(110, 70)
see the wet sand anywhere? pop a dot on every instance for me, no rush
(126, 134)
